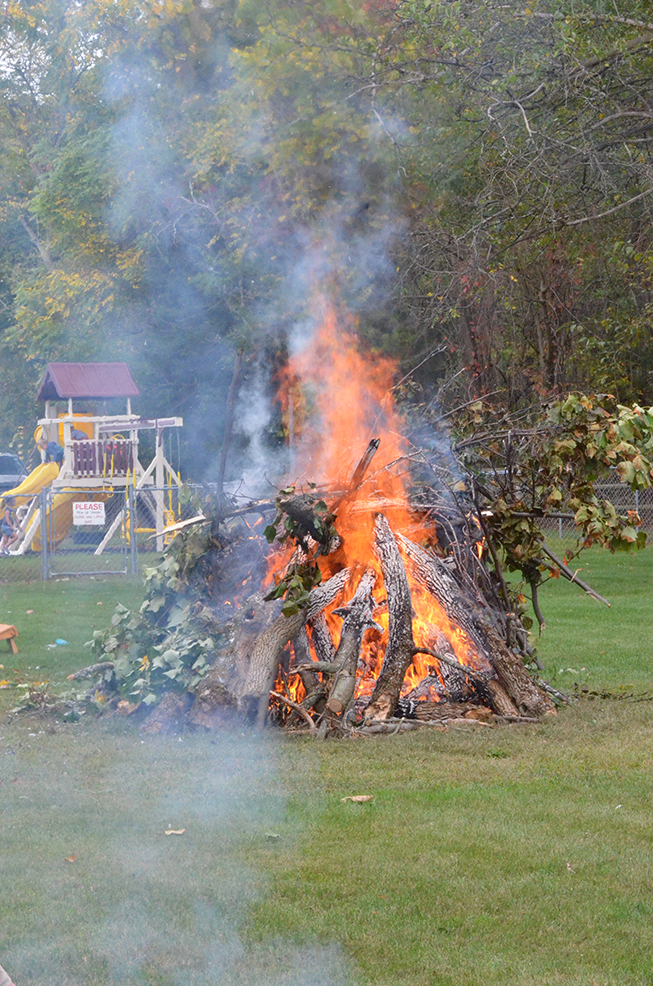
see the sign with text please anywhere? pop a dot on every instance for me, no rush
(87, 512)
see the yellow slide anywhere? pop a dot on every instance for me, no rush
(34, 483)
(60, 518)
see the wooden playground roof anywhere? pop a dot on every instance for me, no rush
(62, 381)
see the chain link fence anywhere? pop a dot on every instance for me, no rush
(93, 532)
(623, 500)
(89, 532)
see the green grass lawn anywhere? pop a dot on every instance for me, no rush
(44, 612)
(490, 855)
(612, 644)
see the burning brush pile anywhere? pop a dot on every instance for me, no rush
(359, 605)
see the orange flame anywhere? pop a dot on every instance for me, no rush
(335, 398)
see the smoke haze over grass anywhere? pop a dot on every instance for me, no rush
(94, 892)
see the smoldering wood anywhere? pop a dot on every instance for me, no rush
(463, 670)
(364, 464)
(359, 617)
(296, 708)
(432, 573)
(301, 509)
(266, 650)
(324, 667)
(401, 645)
(454, 675)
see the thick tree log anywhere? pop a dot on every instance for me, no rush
(515, 679)
(269, 645)
(518, 691)
(321, 637)
(443, 711)
(401, 646)
(359, 615)
(436, 577)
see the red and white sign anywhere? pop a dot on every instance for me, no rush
(88, 512)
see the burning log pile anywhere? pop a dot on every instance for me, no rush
(376, 612)
(398, 638)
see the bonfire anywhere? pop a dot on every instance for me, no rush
(389, 610)
(351, 604)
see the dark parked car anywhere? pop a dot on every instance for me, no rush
(12, 471)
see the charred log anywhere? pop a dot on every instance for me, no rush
(358, 616)
(302, 663)
(517, 692)
(321, 637)
(401, 646)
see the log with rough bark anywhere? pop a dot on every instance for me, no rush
(401, 645)
(321, 637)
(268, 647)
(219, 689)
(358, 617)
(513, 690)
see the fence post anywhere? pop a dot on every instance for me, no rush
(132, 532)
(44, 533)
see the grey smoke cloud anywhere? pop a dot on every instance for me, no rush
(170, 909)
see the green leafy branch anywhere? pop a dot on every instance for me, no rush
(306, 521)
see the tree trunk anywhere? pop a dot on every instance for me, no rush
(269, 645)
(517, 692)
(359, 616)
(401, 646)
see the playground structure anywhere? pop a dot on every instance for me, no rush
(100, 455)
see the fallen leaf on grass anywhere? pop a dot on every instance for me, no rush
(570, 867)
(359, 797)
(71, 859)
(174, 831)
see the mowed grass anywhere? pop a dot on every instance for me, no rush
(505, 855)
(509, 855)
(490, 855)
(602, 647)
(44, 612)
